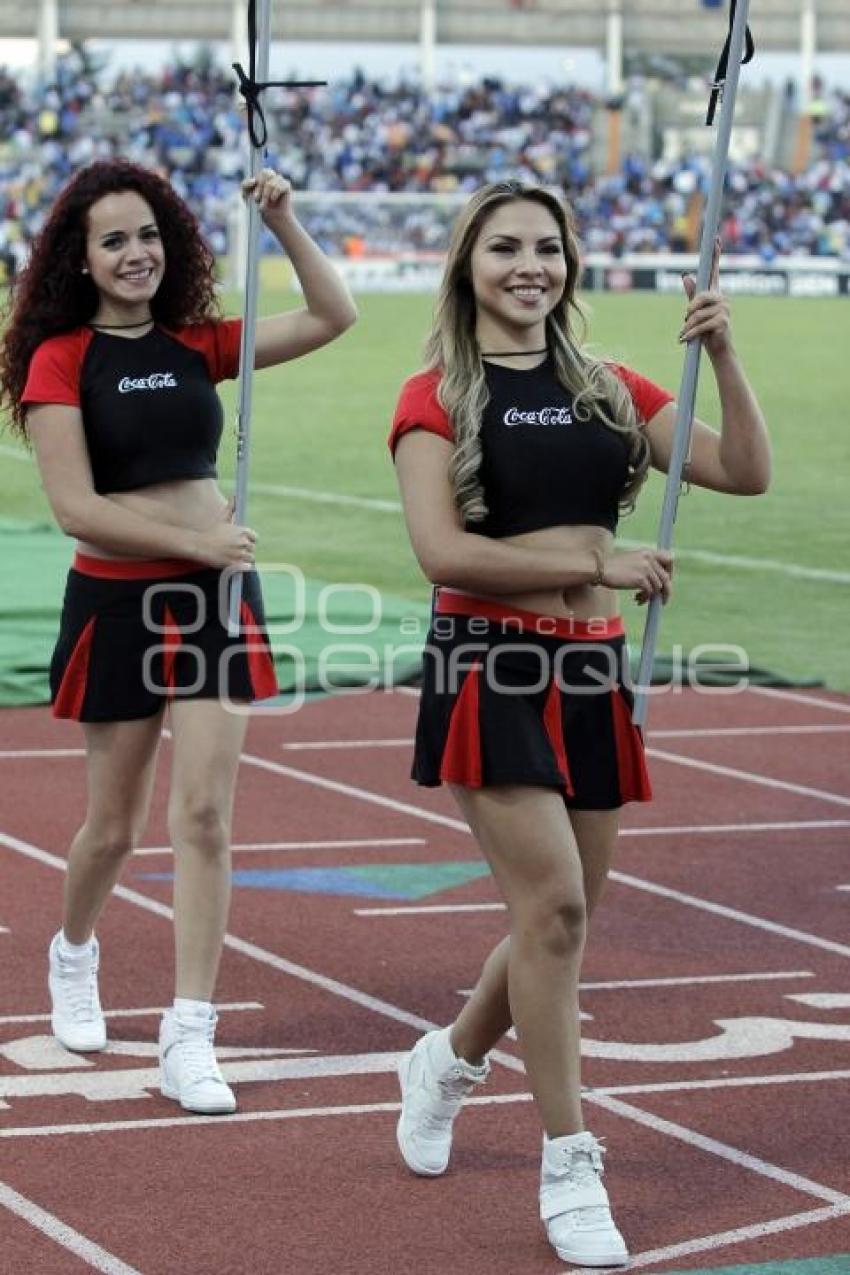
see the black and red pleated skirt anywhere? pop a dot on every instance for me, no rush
(513, 697)
(136, 634)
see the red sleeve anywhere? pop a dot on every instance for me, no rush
(647, 397)
(54, 370)
(219, 341)
(418, 408)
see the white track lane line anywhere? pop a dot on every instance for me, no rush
(734, 732)
(404, 807)
(731, 914)
(50, 1225)
(434, 909)
(638, 984)
(764, 976)
(821, 1000)
(716, 732)
(720, 1082)
(785, 826)
(153, 1011)
(793, 825)
(238, 1117)
(748, 776)
(510, 1061)
(799, 697)
(743, 1159)
(13, 754)
(352, 844)
(488, 1100)
(349, 790)
(789, 825)
(723, 1239)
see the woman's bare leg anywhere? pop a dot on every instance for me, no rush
(208, 739)
(121, 765)
(528, 840)
(486, 1016)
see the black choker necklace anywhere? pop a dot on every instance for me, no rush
(510, 354)
(115, 327)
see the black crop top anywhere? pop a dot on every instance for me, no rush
(540, 465)
(150, 410)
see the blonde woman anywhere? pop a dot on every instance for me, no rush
(515, 451)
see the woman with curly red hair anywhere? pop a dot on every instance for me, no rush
(108, 368)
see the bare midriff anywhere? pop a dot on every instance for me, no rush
(195, 504)
(582, 602)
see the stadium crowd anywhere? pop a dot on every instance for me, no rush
(363, 136)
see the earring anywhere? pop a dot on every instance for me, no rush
(84, 270)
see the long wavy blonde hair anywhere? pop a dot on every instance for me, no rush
(451, 347)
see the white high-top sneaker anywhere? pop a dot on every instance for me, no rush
(574, 1204)
(189, 1072)
(76, 1019)
(434, 1083)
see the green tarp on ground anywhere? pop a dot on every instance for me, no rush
(325, 637)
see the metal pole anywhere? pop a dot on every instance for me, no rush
(690, 374)
(237, 247)
(249, 326)
(614, 48)
(808, 51)
(238, 38)
(427, 44)
(48, 34)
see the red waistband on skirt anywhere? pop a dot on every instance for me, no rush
(450, 602)
(133, 568)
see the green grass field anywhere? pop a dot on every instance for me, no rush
(321, 424)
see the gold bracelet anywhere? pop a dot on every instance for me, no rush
(599, 577)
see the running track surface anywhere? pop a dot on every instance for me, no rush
(715, 995)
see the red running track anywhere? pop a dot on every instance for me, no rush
(717, 1033)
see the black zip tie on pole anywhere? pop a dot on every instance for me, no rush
(719, 82)
(251, 89)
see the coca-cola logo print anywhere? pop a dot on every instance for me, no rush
(155, 381)
(543, 416)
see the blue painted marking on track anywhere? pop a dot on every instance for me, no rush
(303, 880)
(313, 881)
(396, 881)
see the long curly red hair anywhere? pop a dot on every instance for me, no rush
(52, 295)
